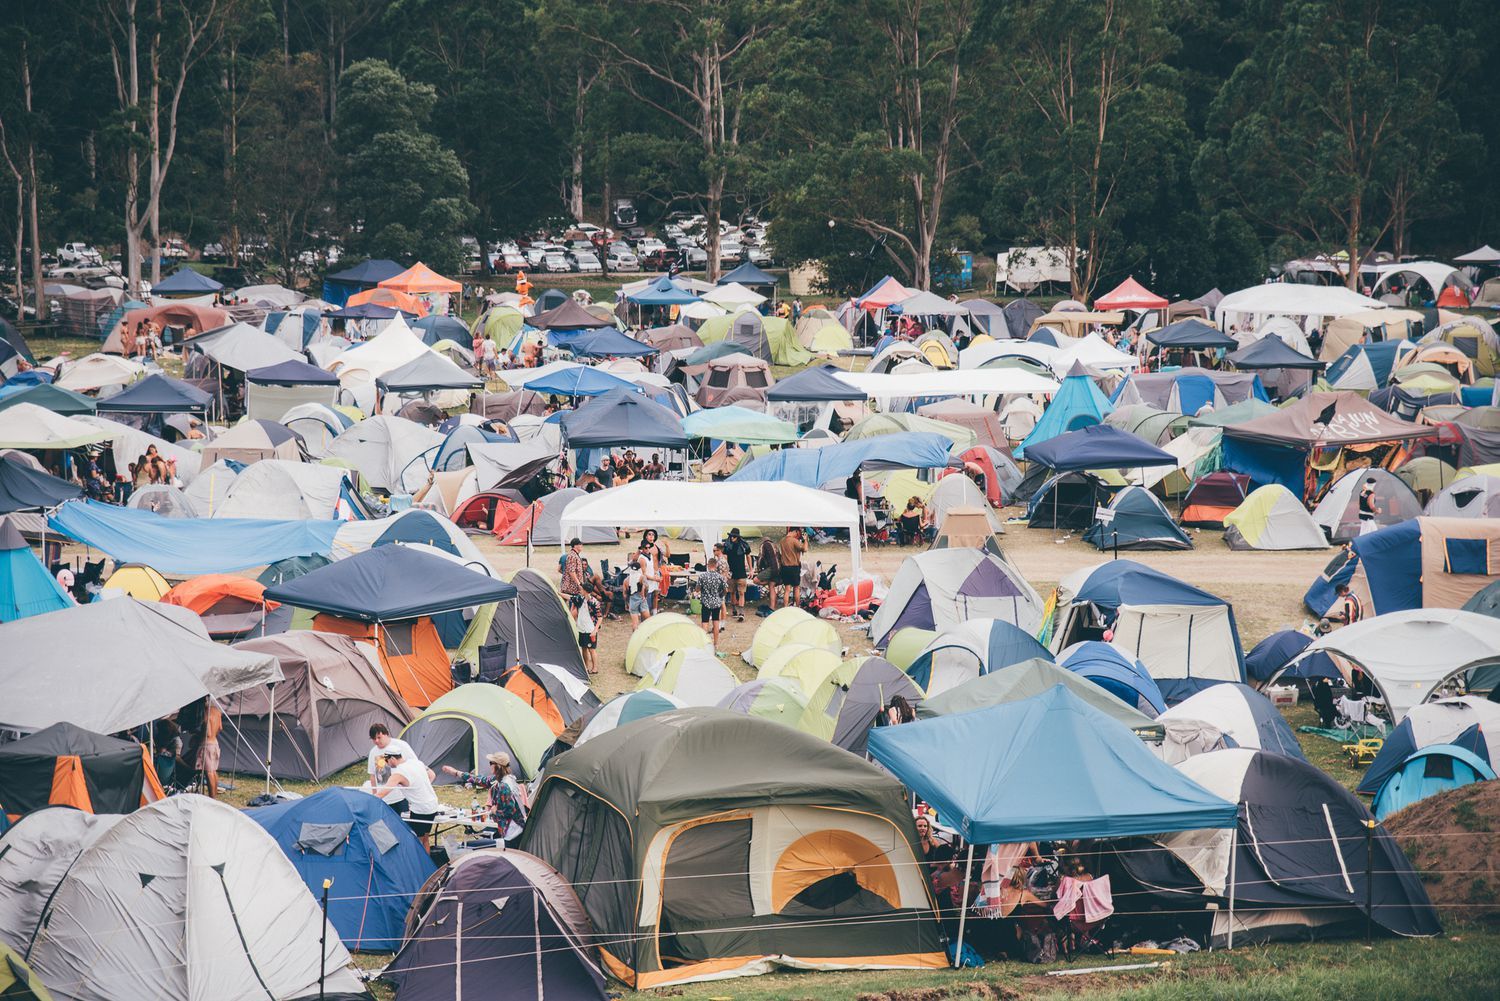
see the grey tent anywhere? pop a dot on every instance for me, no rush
(748, 334)
(118, 926)
(427, 372)
(860, 696)
(1019, 316)
(34, 856)
(538, 629)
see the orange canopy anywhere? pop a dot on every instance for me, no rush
(419, 278)
(394, 298)
(1130, 294)
(201, 593)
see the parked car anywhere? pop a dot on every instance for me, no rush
(508, 261)
(644, 247)
(174, 250)
(585, 261)
(662, 258)
(757, 256)
(623, 260)
(695, 258)
(730, 251)
(534, 255)
(79, 255)
(624, 212)
(212, 252)
(553, 261)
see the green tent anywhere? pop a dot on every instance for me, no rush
(706, 844)
(471, 721)
(17, 982)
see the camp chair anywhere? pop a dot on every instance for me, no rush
(494, 662)
(1363, 751)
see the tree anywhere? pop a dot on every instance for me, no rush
(403, 194)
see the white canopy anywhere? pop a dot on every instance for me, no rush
(1095, 352)
(26, 425)
(242, 347)
(930, 304)
(159, 659)
(271, 296)
(97, 370)
(948, 382)
(732, 295)
(1290, 299)
(1411, 653)
(701, 311)
(1484, 255)
(1435, 273)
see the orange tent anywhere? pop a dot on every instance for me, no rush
(1130, 294)
(394, 298)
(1453, 297)
(411, 654)
(191, 318)
(201, 594)
(419, 279)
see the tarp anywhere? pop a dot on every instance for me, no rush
(813, 467)
(23, 488)
(390, 583)
(1098, 446)
(190, 546)
(1049, 768)
(736, 424)
(622, 417)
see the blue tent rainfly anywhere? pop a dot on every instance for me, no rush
(580, 381)
(813, 467)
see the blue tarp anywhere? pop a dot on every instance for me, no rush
(376, 863)
(622, 418)
(1264, 463)
(186, 281)
(818, 384)
(1098, 446)
(662, 292)
(190, 546)
(1077, 404)
(608, 342)
(581, 381)
(813, 467)
(157, 394)
(390, 583)
(291, 373)
(1049, 768)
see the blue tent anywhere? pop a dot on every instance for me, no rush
(23, 488)
(1049, 768)
(338, 287)
(157, 394)
(291, 373)
(390, 583)
(749, 275)
(45, 395)
(976, 648)
(1119, 675)
(662, 292)
(1271, 352)
(283, 322)
(815, 385)
(1391, 559)
(1458, 722)
(26, 588)
(1137, 521)
(1271, 654)
(580, 381)
(813, 467)
(1097, 446)
(1191, 333)
(437, 327)
(1426, 773)
(1366, 366)
(186, 281)
(621, 418)
(1245, 717)
(608, 342)
(376, 863)
(1078, 403)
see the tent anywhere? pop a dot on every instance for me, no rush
(157, 394)
(1097, 446)
(391, 298)
(427, 373)
(1064, 501)
(1272, 658)
(273, 391)
(749, 274)
(1366, 367)
(1190, 391)
(1427, 772)
(1463, 721)
(733, 377)
(579, 380)
(628, 708)
(419, 279)
(1028, 679)
(655, 639)
(1338, 510)
(856, 694)
(26, 588)
(1078, 403)
(693, 676)
(622, 417)
(318, 424)
(66, 765)
(1135, 519)
(541, 523)
(48, 397)
(472, 721)
(339, 286)
(281, 489)
(1213, 497)
(772, 632)
(497, 917)
(387, 451)
(375, 862)
(738, 425)
(1121, 676)
(536, 629)
(137, 581)
(28, 426)
(160, 660)
(1185, 636)
(231, 607)
(1191, 334)
(1130, 294)
(559, 698)
(1272, 518)
(1474, 496)
(331, 694)
(242, 348)
(814, 467)
(172, 879)
(568, 315)
(1423, 562)
(26, 488)
(780, 700)
(661, 292)
(186, 281)
(252, 440)
(1241, 713)
(671, 813)
(956, 493)
(1294, 864)
(975, 648)
(940, 588)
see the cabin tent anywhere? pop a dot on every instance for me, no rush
(728, 373)
(1420, 563)
(1474, 496)
(1027, 679)
(1338, 510)
(1272, 518)
(66, 765)
(1427, 772)
(1137, 520)
(1464, 722)
(492, 917)
(174, 879)
(1126, 679)
(1211, 498)
(541, 523)
(26, 588)
(356, 840)
(476, 720)
(940, 588)
(1243, 714)
(332, 694)
(1299, 856)
(681, 827)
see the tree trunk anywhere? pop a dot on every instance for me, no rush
(20, 242)
(153, 210)
(1356, 218)
(712, 213)
(575, 188)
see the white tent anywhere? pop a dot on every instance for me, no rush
(26, 425)
(276, 488)
(96, 371)
(270, 296)
(1252, 305)
(159, 659)
(390, 349)
(317, 423)
(242, 347)
(128, 444)
(1094, 352)
(930, 304)
(701, 311)
(387, 451)
(210, 488)
(187, 898)
(493, 461)
(733, 296)
(931, 382)
(1435, 273)
(35, 856)
(982, 354)
(1484, 255)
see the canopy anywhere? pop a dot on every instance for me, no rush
(1484, 255)
(736, 424)
(1290, 299)
(622, 417)
(427, 371)
(1328, 420)
(1051, 767)
(579, 381)
(733, 295)
(390, 583)
(1027, 679)
(1271, 352)
(1130, 294)
(419, 279)
(608, 342)
(821, 383)
(47, 396)
(186, 281)
(27, 425)
(367, 273)
(887, 292)
(748, 274)
(23, 488)
(1098, 446)
(1191, 333)
(948, 382)
(369, 311)
(813, 467)
(160, 659)
(662, 292)
(568, 316)
(294, 372)
(158, 394)
(929, 304)
(190, 546)
(393, 347)
(242, 347)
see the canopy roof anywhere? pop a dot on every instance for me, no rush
(1484, 255)
(580, 380)
(1024, 680)
(1191, 333)
(419, 279)
(242, 347)
(929, 304)
(662, 292)
(26, 425)
(1050, 767)
(390, 583)
(1328, 419)
(1130, 294)
(160, 659)
(568, 316)
(158, 394)
(367, 273)
(186, 281)
(427, 371)
(1290, 299)
(813, 467)
(733, 295)
(608, 342)
(1271, 352)
(748, 274)
(886, 292)
(736, 424)
(711, 508)
(1098, 446)
(623, 417)
(23, 488)
(291, 373)
(948, 382)
(817, 384)
(47, 396)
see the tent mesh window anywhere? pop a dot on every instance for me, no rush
(756, 379)
(719, 378)
(1438, 766)
(398, 638)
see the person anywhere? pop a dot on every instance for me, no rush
(491, 363)
(653, 572)
(911, 522)
(151, 342)
(166, 739)
(793, 546)
(635, 592)
(711, 589)
(523, 284)
(1348, 609)
(737, 555)
(573, 568)
(1368, 508)
(413, 780)
(380, 739)
(661, 554)
(507, 800)
(655, 469)
(605, 474)
(586, 611)
(768, 569)
(208, 749)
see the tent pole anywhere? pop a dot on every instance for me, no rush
(1234, 833)
(963, 910)
(270, 732)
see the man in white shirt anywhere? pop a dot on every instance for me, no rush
(413, 780)
(381, 741)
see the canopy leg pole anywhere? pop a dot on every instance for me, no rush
(963, 910)
(270, 732)
(1234, 834)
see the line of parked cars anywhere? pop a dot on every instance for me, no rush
(584, 248)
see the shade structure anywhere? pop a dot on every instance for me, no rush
(814, 467)
(367, 274)
(27, 425)
(23, 488)
(733, 296)
(608, 342)
(1193, 334)
(390, 583)
(662, 292)
(157, 394)
(1098, 446)
(622, 417)
(242, 347)
(369, 311)
(579, 381)
(394, 298)
(1271, 351)
(1051, 767)
(427, 372)
(1130, 294)
(821, 383)
(186, 281)
(291, 373)
(885, 292)
(569, 316)
(47, 396)
(736, 424)
(748, 274)
(161, 659)
(419, 279)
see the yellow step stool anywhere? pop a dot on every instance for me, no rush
(1363, 752)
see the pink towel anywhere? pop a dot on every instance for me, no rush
(1098, 902)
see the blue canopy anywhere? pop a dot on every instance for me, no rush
(817, 384)
(367, 273)
(1098, 446)
(662, 292)
(748, 274)
(23, 488)
(622, 417)
(291, 373)
(157, 394)
(368, 311)
(608, 342)
(186, 281)
(1049, 768)
(390, 583)
(813, 467)
(190, 546)
(1273, 653)
(1077, 403)
(1191, 333)
(26, 588)
(1124, 678)
(437, 327)
(580, 381)
(376, 863)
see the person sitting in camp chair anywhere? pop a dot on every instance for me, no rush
(506, 808)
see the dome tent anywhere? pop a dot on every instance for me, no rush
(808, 665)
(860, 690)
(693, 676)
(1474, 496)
(35, 853)
(626, 708)
(781, 700)
(1338, 510)
(972, 649)
(657, 638)
(67, 765)
(1428, 772)
(1243, 714)
(940, 588)
(1272, 518)
(1212, 497)
(1136, 520)
(1463, 722)
(1119, 675)
(476, 720)
(1273, 657)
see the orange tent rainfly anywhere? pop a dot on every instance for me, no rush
(419, 279)
(66, 765)
(394, 298)
(231, 606)
(1130, 294)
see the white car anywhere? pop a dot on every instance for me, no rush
(79, 255)
(623, 260)
(555, 262)
(586, 261)
(174, 250)
(730, 251)
(648, 245)
(757, 256)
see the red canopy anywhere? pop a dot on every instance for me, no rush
(887, 293)
(1130, 294)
